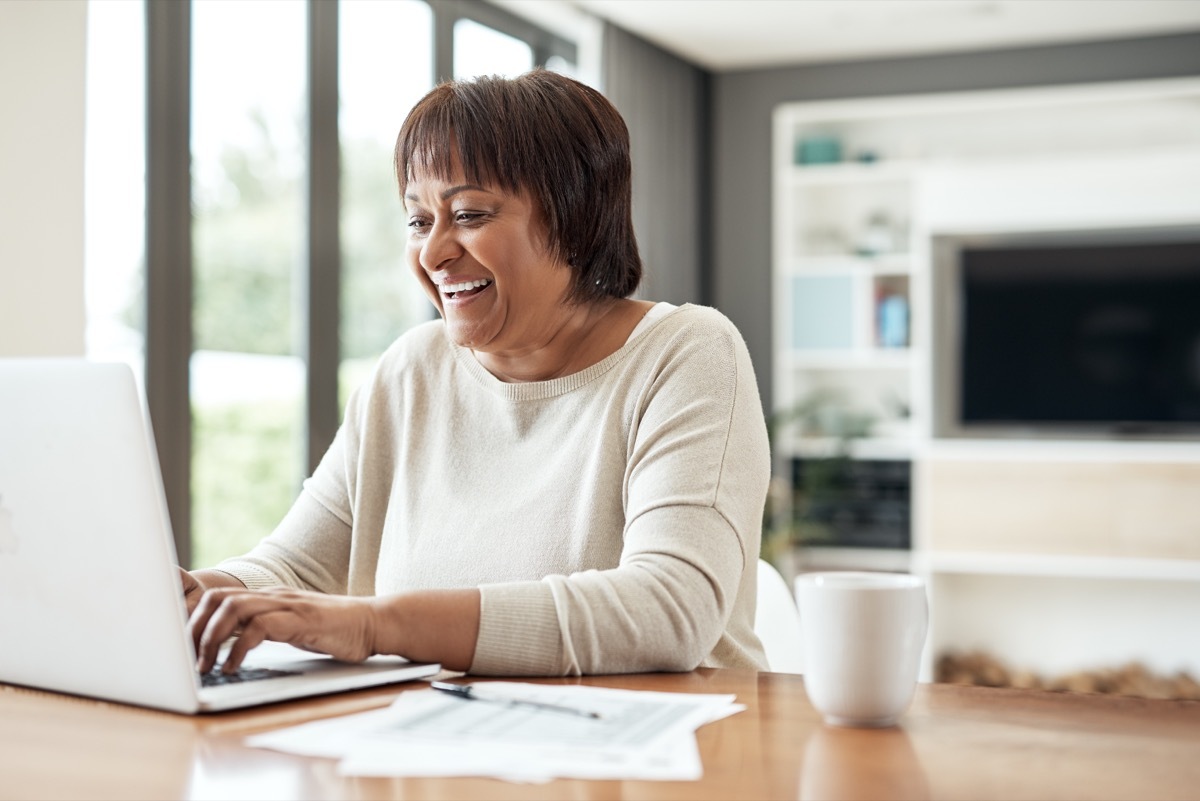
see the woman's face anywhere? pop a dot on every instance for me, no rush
(480, 255)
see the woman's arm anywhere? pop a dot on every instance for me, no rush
(681, 591)
(429, 626)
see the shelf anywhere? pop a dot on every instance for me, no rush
(850, 172)
(1056, 566)
(852, 359)
(1051, 159)
(881, 448)
(882, 264)
(1056, 449)
(809, 559)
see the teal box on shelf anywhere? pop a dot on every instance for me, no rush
(818, 150)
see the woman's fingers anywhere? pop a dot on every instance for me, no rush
(327, 624)
(216, 618)
(219, 615)
(253, 634)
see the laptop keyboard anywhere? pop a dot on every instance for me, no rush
(215, 678)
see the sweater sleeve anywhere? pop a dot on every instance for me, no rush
(693, 495)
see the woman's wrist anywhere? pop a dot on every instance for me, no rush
(210, 578)
(428, 626)
(388, 625)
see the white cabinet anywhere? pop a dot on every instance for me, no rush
(861, 190)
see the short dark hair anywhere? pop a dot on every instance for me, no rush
(552, 137)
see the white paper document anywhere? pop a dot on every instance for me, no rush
(639, 735)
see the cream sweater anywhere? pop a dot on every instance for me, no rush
(611, 519)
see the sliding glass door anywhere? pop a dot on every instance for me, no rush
(258, 270)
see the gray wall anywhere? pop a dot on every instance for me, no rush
(664, 102)
(742, 103)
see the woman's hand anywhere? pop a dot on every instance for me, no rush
(425, 626)
(340, 626)
(195, 583)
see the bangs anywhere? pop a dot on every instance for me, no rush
(441, 127)
(549, 138)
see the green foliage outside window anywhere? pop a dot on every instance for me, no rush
(376, 285)
(247, 454)
(255, 443)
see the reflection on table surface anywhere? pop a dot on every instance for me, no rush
(954, 743)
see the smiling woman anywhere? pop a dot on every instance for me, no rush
(482, 257)
(553, 274)
(554, 478)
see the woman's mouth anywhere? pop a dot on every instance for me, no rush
(463, 289)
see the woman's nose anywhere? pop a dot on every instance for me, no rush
(439, 247)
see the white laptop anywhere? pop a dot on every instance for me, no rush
(90, 602)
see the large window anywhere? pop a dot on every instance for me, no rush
(114, 183)
(482, 50)
(380, 77)
(248, 219)
(242, 226)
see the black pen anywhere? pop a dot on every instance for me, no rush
(468, 693)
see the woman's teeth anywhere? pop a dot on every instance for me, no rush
(451, 289)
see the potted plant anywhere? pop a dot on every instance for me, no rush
(802, 504)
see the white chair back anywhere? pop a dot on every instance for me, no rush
(777, 622)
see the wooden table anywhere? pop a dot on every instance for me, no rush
(954, 743)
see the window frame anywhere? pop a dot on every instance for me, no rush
(169, 249)
(446, 13)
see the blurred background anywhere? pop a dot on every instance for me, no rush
(203, 189)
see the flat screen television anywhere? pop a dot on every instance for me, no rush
(1075, 334)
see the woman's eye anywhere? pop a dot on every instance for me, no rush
(467, 216)
(418, 224)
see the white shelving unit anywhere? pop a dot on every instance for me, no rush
(1053, 566)
(850, 232)
(843, 254)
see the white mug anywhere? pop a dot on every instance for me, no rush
(863, 634)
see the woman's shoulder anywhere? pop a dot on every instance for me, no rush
(691, 320)
(692, 344)
(704, 315)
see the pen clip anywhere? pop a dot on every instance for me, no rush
(462, 690)
(467, 693)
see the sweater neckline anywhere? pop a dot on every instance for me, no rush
(538, 390)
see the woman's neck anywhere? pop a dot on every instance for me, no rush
(589, 334)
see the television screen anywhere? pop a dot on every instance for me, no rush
(1091, 336)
